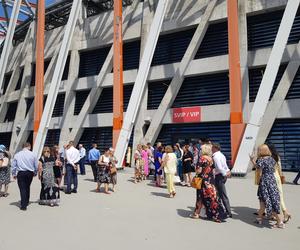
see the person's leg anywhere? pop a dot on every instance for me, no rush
(69, 177)
(189, 179)
(29, 177)
(106, 188)
(75, 179)
(22, 187)
(168, 179)
(295, 181)
(220, 185)
(94, 169)
(172, 184)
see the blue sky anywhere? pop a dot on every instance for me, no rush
(21, 16)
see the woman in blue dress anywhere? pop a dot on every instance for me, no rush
(157, 163)
(268, 192)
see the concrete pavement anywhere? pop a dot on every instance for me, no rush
(141, 216)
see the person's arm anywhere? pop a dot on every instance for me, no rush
(36, 165)
(40, 170)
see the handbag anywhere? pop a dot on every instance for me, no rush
(113, 170)
(196, 182)
(282, 178)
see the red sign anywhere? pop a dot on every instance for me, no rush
(188, 114)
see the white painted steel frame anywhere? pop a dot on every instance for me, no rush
(241, 165)
(140, 82)
(178, 78)
(8, 40)
(56, 80)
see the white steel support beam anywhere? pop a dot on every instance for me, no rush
(140, 82)
(8, 40)
(148, 14)
(279, 96)
(95, 92)
(250, 136)
(174, 87)
(58, 72)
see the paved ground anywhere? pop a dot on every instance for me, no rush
(141, 216)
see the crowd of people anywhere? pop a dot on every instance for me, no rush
(176, 164)
(57, 170)
(200, 165)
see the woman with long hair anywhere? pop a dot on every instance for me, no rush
(139, 164)
(187, 161)
(104, 166)
(277, 174)
(49, 194)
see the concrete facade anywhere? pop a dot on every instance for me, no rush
(96, 32)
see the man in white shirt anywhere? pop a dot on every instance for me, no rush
(82, 153)
(221, 173)
(73, 157)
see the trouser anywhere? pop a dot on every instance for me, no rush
(170, 183)
(94, 169)
(297, 177)
(220, 181)
(180, 170)
(71, 178)
(24, 182)
(81, 166)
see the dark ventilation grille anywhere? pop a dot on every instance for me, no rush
(255, 78)
(131, 53)
(18, 86)
(215, 42)
(11, 111)
(29, 102)
(156, 92)
(92, 61)
(126, 95)
(52, 137)
(5, 139)
(294, 91)
(203, 90)
(102, 136)
(218, 132)
(80, 100)
(263, 28)
(7, 78)
(30, 138)
(59, 106)
(33, 71)
(105, 101)
(285, 135)
(66, 69)
(170, 48)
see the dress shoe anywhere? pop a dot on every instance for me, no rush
(74, 191)
(67, 192)
(23, 208)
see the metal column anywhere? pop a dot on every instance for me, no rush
(8, 40)
(39, 74)
(140, 81)
(237, 125)
(58, 72)
(118, 72)
(263, 95)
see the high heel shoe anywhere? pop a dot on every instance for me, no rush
(287, 218)
(280, 225)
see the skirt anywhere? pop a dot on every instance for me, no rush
(103, 175)
(113, 179)
(4, 175)
(49, 195)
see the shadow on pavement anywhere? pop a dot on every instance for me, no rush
(246, 215)
(18, 203)
(165, 195)
(87, 179)
(185, 213)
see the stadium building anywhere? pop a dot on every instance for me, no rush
(204, 93)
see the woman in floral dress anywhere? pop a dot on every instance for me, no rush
(104, 166)
(268, 192)
(208, 193)
(49, 194)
